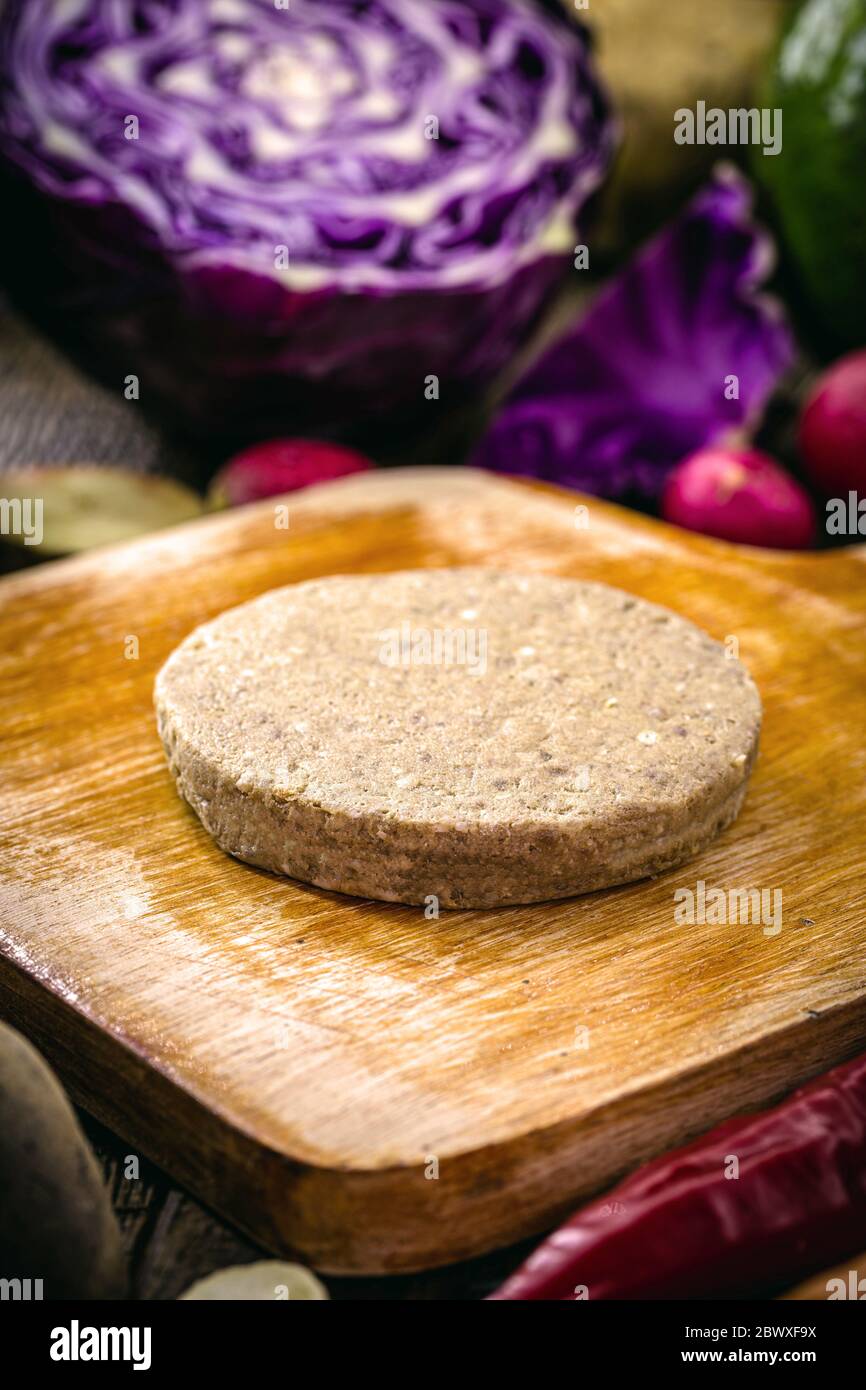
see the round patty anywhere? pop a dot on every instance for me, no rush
(479, 737)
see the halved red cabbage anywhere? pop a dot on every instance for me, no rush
(681, 349)
(266, 134)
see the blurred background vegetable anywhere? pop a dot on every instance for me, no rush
(833, 428)
(282, 465)
(311, 232)
(83, 505)
(739, 495)
(655, 58)
(678, 349)
(56, 1222)
(305, 218)
(818, 80)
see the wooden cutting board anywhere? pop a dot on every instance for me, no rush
(347, 1080)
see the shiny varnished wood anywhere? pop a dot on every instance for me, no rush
(305, 1061)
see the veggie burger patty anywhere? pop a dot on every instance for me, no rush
(467, 735)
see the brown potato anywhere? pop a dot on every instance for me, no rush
(56, 1221)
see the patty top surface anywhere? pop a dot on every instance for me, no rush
(462, 695)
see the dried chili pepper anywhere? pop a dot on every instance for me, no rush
(755, 1202)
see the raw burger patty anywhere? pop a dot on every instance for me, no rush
(484, 737)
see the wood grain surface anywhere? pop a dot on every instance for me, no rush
(308, 1062)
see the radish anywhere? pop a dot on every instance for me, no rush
(282, 465)
(739, 495)
(833, 428)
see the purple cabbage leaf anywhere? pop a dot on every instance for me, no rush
(645, 378)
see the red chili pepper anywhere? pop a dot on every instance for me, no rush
(680, 1227)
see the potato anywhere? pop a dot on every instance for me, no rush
(265, 1281)
(56, 1221)
(60, 511)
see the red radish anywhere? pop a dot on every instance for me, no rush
(833, 428)
(282, 465)
(740, 495)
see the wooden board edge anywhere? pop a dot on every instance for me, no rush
(396, 1220)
